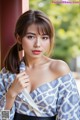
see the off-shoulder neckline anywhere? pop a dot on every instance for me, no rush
(43, 84)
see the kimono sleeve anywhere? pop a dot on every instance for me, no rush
(68, 105)
(3, 90)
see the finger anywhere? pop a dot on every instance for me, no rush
(26, 85)
(22, 74)
(23, 85)
(25, 81)
(23, 77)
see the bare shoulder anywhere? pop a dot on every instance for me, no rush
(59, 67)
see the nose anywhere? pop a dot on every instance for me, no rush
(37, 42)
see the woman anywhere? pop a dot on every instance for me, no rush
(49, 82)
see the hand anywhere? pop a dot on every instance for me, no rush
(21, 81)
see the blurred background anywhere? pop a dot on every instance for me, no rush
(65, 19)
(66, 22)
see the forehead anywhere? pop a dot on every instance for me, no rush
(37, 29)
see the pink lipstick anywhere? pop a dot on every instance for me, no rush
(36, 52)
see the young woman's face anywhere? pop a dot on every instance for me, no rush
(35, 44)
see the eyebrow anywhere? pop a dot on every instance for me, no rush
(33, 33)
(30, 33)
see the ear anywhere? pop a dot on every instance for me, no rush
(18, 38)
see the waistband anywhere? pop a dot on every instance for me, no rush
(19, 116)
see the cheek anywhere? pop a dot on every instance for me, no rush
(46, 45)
(26, 44)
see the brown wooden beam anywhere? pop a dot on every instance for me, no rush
(9, 13)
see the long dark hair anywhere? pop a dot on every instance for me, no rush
(36, 17)
(12, 60)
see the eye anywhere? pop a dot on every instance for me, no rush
(30, 37)
(45, 37)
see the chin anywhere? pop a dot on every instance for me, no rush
(37, 56)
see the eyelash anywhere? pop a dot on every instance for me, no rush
(30, 37)
(33, 37)
(45, 38)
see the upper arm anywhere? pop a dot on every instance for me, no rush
(68, 105)
(3, 89)
(2, 86)
(68, 101)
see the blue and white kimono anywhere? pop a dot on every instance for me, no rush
(59, 97)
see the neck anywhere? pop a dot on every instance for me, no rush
(34, 62)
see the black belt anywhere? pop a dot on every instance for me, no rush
(19, 116)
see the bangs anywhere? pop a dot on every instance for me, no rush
(43, 28)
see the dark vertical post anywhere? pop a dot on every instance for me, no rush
(10, 10)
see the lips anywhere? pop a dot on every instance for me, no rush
(36, 52)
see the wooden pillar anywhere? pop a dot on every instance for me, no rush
(9, 13)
